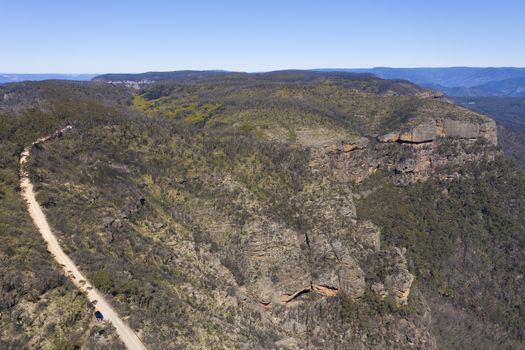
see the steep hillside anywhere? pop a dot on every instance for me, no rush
(465, 241)
(285, 210)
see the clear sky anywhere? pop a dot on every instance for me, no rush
(99, 36)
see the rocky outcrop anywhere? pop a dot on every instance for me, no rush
(465, 130)
(351, 278)
(415, 154)
(431, 94)
(297, 278)
(128, 83)
(349, 146)
(447, 128)
(390, 137)
(424, 132)
(389, 271)
(367, 236)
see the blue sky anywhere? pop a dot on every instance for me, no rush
(94, 36)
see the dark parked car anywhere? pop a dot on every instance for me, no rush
(99, 315)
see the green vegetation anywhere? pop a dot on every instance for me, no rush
(102, 280)
(467, 229)
(369, 306)
(276, 107)
(39, 308)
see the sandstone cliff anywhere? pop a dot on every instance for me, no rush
(445, 128)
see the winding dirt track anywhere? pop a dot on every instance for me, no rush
(126, 334)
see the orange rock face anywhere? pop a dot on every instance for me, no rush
(390, 137)
(348, 147)
(356, 144)
(324, 290)
(429, 131)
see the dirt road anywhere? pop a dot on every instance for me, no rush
(126, 334)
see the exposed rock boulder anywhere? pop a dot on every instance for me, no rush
(360, 143)
(398, 285)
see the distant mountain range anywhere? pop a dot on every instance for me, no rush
(457, 81)
(453, 81)
(512, 87)
(447, 77)
(13, 78)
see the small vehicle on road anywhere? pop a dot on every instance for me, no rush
(99, 316)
